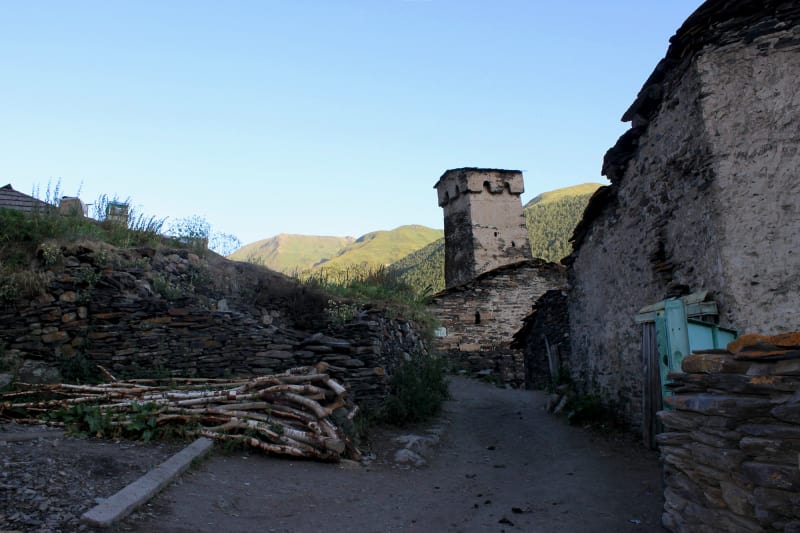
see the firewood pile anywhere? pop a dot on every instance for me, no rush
(291, 413)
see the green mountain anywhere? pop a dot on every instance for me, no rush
(551, 217)
(291, 253)
(424, 269)
(382, 248)
(549, 197)
(416, 253)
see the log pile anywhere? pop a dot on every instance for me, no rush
(291, 413)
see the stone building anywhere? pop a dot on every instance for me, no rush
(704, 195)
(491, 280)
(484, 225)
(11, 199)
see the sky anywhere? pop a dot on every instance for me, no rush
(323, 117)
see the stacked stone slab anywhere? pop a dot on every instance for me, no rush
(731, 445)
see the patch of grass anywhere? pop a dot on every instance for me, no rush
(20, 284)
(589, 411)
(78, 369)
(166, 289)
(418, 388)
(365, 286)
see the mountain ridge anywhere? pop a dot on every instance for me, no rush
(415, 252)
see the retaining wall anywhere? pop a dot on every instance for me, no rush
(116, 317)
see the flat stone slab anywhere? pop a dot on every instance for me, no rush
(126, 500)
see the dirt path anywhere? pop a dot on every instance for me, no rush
(503, 464)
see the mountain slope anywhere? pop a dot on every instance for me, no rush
(291, 253)
(565, 192)
(383, 247)
(551, 218)
(424, 269)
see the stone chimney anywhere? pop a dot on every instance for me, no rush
(484, 225)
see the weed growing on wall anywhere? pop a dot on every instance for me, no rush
(78, 369)
(20, 284)
(340, 313)
(49, 254)
(166, 289)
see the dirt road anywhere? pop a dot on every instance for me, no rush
(503, 464)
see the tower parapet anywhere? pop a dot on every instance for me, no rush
(484, 224)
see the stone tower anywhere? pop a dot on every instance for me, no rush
(484, 225)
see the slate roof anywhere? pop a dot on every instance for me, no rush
(11, 199)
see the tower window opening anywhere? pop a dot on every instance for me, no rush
(477, 317)
(513, 244)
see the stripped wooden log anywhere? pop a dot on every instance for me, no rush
(287, 413)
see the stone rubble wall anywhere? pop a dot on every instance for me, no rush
(703, 196)
(116, 318)
(502, 298)
(547, 325)
(731, 445)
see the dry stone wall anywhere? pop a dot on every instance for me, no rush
(544, 340)
(731, 446)
(116, 317)
(704, 195)
(481, 317)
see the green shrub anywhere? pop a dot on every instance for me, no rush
(417, 390)
(49, 254)
(166, 289)
(140, 422)
(78, 369)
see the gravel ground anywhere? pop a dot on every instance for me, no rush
(48, 480)
(495, 461)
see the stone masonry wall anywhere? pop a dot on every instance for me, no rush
(544, 339)
(117, 318)
(704, 194)
(481, 317)
(731, 445)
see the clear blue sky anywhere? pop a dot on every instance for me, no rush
(325, 117)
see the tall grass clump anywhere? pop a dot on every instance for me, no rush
(21, 233)
(366, 283)
(138, 230)
(418, 388)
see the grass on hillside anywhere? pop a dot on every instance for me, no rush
(22, 234)
(381, 248)
(565, 192)
(289, 253)
(366, 286)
